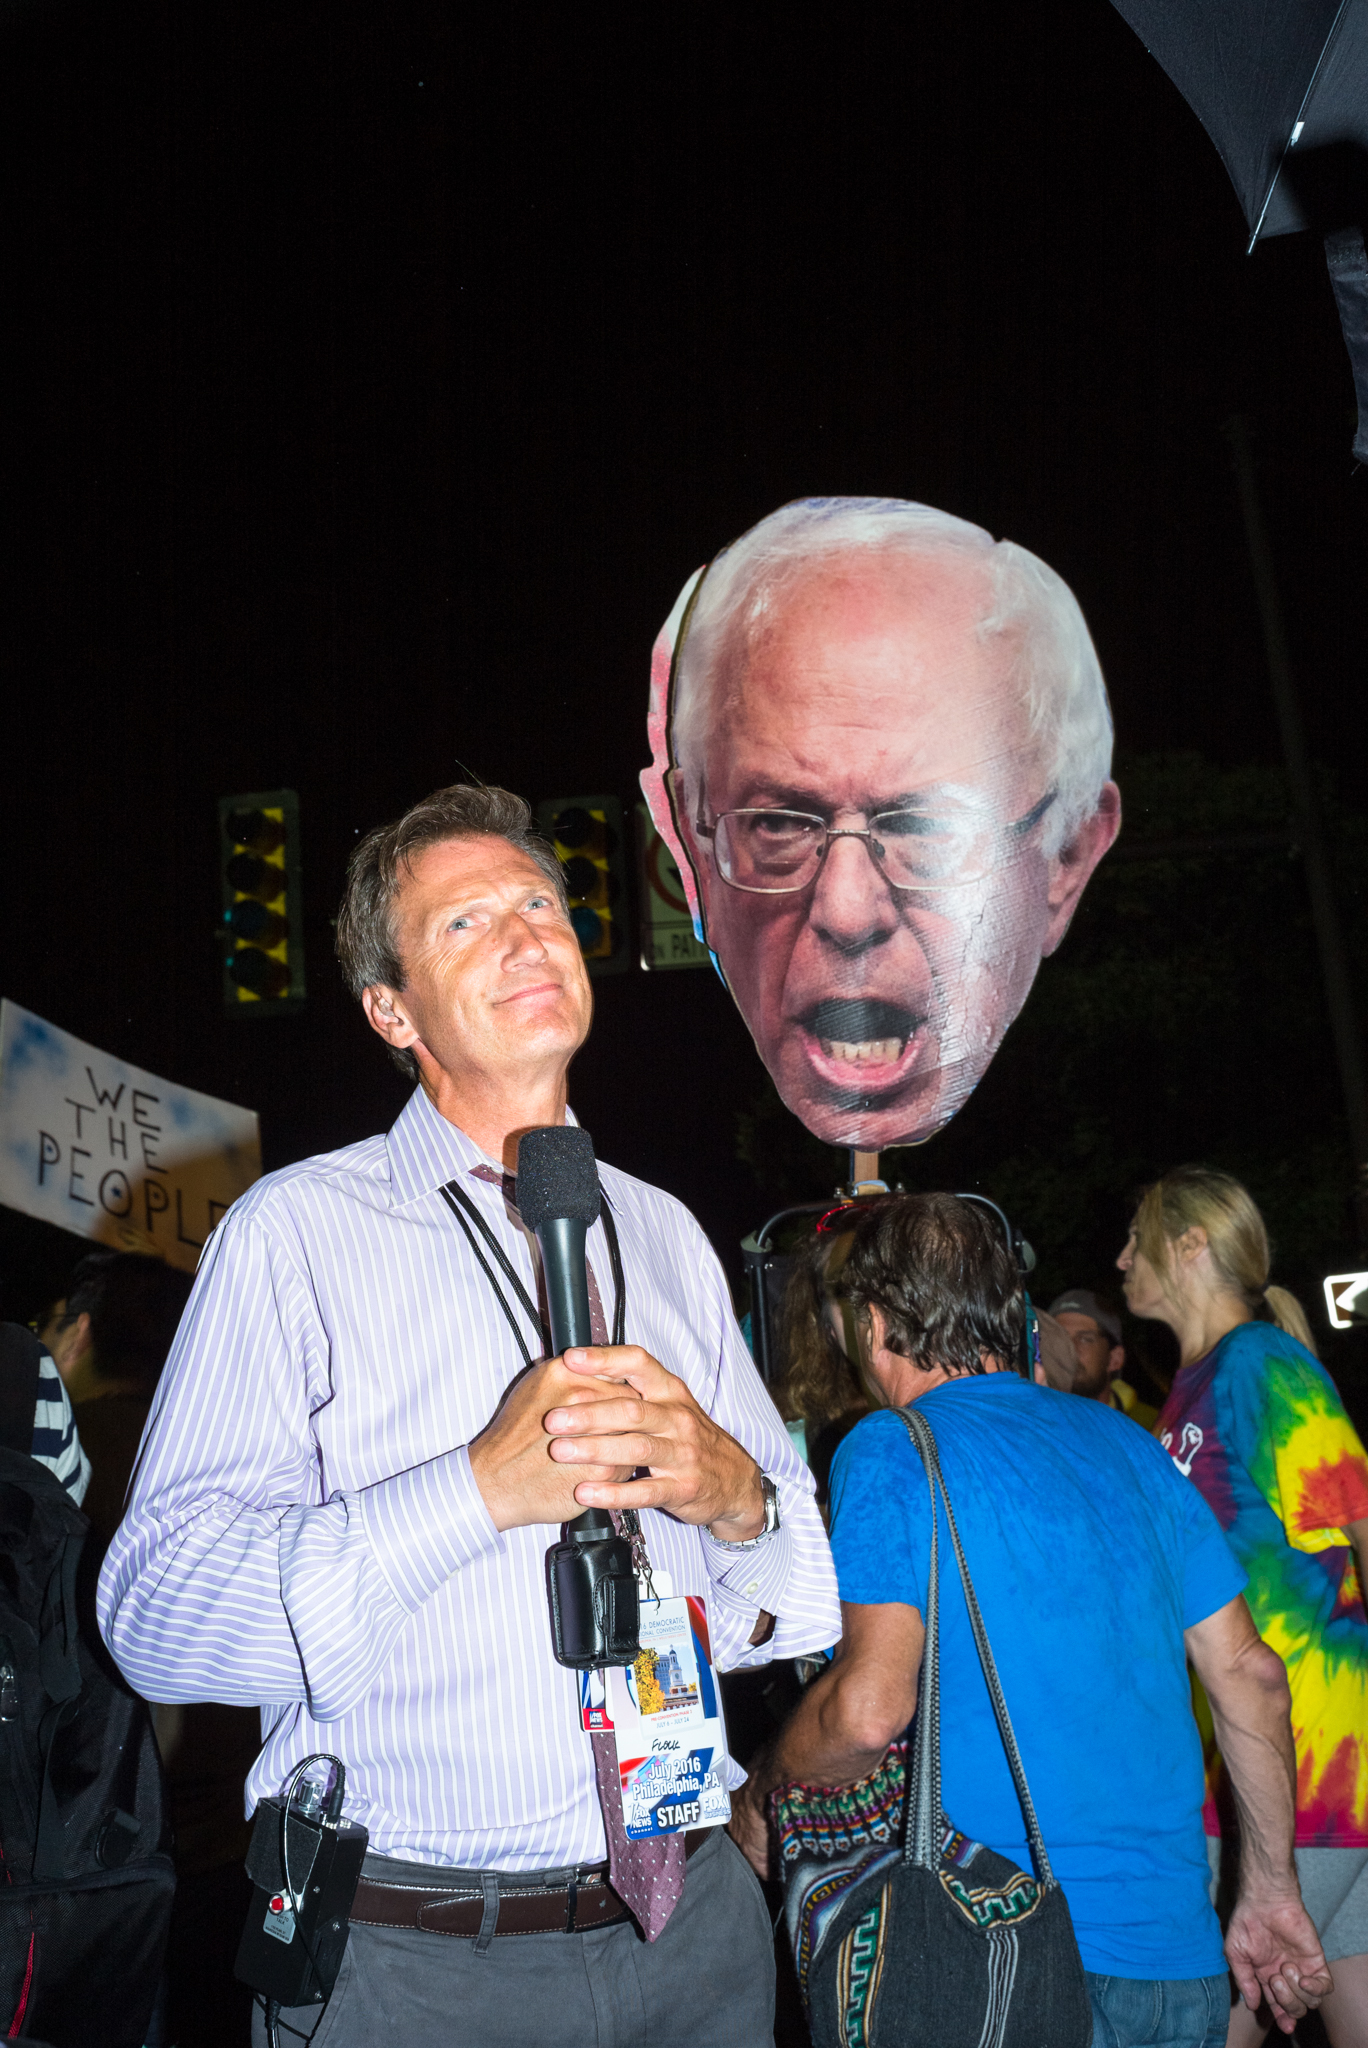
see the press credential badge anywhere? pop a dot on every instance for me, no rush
(666, 1720)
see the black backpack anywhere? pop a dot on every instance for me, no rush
(86, 1878)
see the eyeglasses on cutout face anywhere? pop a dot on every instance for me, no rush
(772, 852)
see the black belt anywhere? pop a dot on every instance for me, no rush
(525, 1904)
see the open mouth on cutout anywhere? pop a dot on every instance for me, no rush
(861, 1044)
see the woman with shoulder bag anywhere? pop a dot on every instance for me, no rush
(1043, 1612)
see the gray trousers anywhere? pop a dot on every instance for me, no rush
(708, 1980)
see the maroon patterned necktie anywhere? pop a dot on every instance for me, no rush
(648, 1876)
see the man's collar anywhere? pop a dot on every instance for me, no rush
(425, 1151)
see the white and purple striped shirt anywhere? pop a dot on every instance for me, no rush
(304, 1529)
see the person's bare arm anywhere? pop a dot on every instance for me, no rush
(1357, 1533)
(844, 1721)
(1272, 1947)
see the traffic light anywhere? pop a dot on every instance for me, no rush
(586, 832)
(263, 913)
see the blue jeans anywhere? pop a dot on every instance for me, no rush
(1159, 2012)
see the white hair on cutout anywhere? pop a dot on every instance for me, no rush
(1057, 664)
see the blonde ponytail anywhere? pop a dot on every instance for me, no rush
(1286, 1311)
(1203, 1196)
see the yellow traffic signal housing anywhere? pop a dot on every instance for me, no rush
(263, 910)
(586, 832)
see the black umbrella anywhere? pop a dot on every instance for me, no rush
(1281, 87)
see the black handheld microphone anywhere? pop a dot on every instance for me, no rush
(558, 1199)
(591, 1583)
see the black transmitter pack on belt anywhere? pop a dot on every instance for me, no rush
(304, 1861)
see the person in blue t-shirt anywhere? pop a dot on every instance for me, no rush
(1099, 1571)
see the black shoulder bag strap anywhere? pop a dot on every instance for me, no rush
(466, 1213)
(924, 1831)
(20, 1357)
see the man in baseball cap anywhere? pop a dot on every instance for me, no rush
(1095, 1330)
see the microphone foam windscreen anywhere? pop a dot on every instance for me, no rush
(557, 1175)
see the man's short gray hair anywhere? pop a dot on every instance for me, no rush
(366, 944)
(1056, 663)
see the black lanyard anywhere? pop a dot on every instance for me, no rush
(465, 1211)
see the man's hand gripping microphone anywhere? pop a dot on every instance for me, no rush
(590, 1580)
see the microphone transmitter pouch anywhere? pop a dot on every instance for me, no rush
(591, 1583)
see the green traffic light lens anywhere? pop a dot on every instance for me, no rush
(251, 920)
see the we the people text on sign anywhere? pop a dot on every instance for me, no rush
(111, 1152)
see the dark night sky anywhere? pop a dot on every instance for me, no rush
(376, 377)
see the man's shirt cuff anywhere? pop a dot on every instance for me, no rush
(748, 1580)
(442, 1500)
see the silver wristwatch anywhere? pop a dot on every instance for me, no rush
(771, 1493)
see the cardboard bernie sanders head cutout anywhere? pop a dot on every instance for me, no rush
(881, 749)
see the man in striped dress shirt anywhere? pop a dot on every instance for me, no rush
(350, 1483)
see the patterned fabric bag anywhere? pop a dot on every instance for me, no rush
(937, 1942)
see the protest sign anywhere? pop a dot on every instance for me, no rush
(110, 1152)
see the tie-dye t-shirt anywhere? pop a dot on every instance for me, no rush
(1260, 1430)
